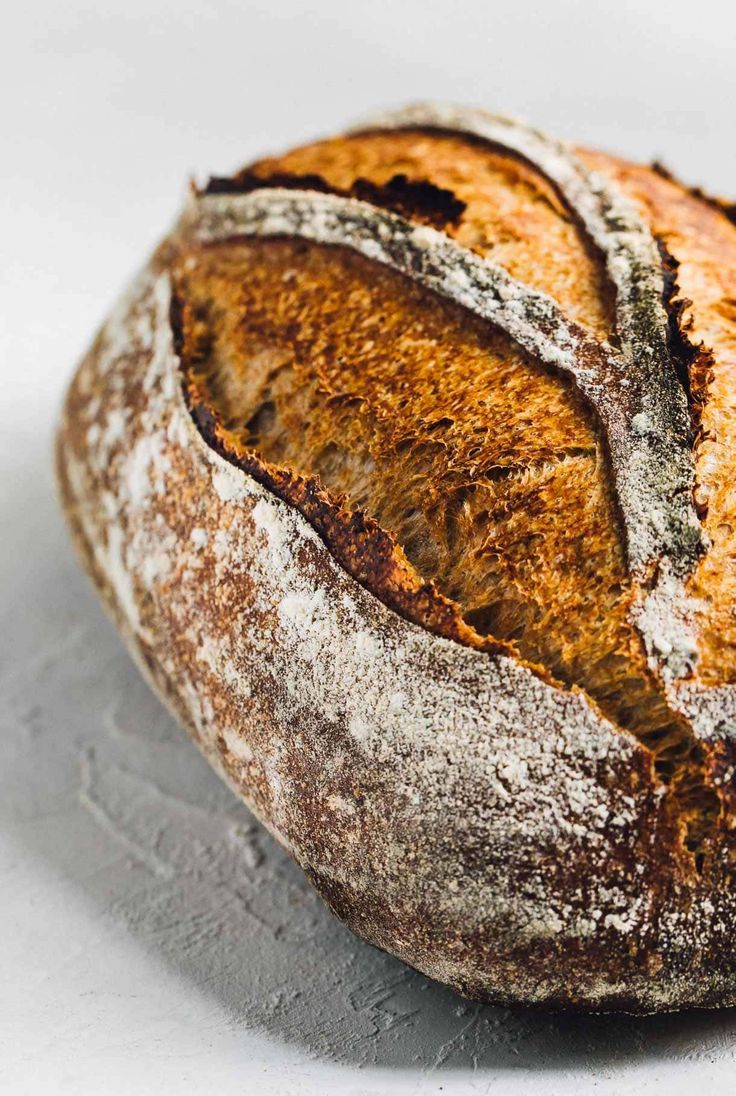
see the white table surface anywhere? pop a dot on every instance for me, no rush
(152, 937)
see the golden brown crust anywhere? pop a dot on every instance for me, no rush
(310, 354)
(512, 214)
(474, 475)
(444, 801)
(468, 488)
(703, 240)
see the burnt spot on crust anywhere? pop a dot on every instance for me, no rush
(549, 191)
(419, 200)
(416, 199)
(247, 180)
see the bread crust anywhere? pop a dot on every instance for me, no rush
(454, 806)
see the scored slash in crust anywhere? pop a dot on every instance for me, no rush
(456, 806)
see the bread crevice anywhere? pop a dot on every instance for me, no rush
(413, 496)
(514, 216)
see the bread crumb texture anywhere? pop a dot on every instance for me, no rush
(370, 550)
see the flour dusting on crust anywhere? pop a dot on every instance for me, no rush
(637, 404)
(454, 808)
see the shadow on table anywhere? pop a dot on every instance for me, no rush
(100, 783)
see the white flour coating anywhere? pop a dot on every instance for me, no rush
(322, 671)
(652, 464)
(711, 710)
(665, 617)
(658, 474)
(530, 317)
(609, 218)
(381, 755)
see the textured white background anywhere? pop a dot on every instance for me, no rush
(152, 938)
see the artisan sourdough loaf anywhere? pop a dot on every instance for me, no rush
(406, 467)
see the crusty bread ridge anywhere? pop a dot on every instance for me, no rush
(404, 467)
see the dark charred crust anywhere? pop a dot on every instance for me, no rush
(176, 319)
(662, 170)
(418, 200)
(551, 192)
(248, 180)
(682, 351)
(693, 362)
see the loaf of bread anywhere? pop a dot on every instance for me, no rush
(406, 468)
